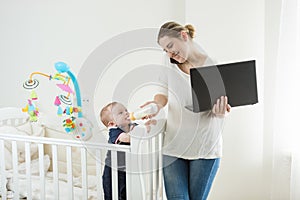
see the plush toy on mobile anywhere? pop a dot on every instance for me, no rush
(79, 126)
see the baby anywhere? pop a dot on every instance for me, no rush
(116, 118)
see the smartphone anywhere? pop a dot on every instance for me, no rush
(173, 61)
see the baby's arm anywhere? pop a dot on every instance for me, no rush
(123, 137)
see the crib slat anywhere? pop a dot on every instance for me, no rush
(55, 172)
(156, 168)
(42, 172)
(160, 166)
(153, 167)
(84, 174)
(128, 173)
(69, 172)
(15, 170)
(114, 174)
(2, 170)
(98, 174)
(28, 169)
(150, 165)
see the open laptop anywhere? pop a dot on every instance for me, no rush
(235, 80)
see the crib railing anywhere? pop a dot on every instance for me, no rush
(143, 166)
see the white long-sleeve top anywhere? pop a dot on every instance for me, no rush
(188, 135)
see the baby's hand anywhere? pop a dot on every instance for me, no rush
(123, 137)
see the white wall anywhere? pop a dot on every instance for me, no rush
(229, 31)
(36, 34)
(272, 27)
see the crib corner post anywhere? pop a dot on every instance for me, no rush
(135, 184)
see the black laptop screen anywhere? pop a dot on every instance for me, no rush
(235, 80)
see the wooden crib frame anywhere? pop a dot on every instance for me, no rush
(143, 171)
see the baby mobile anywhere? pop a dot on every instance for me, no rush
(79, 126)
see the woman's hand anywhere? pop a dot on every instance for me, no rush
(221, 108)
(159, 107)
(149, 123)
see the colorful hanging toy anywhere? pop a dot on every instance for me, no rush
(78, 126)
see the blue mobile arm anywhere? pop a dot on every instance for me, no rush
(62, 67)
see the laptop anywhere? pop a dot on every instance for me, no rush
(235, 80)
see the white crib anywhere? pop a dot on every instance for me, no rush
(41, 177)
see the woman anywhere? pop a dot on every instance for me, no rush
(193, 143)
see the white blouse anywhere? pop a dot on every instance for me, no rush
(188, 135)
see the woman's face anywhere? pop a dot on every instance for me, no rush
(176, 48)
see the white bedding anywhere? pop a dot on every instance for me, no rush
(49, 186)
(26, 129)
(63, 187)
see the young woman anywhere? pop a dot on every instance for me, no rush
(193, 142)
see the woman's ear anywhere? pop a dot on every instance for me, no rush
(184, 35)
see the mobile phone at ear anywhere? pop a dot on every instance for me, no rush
(173, 61)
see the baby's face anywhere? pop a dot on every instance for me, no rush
(120, 115)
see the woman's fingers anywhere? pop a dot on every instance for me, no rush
(147, 103)
(218, 106)
(221, 106)
(228, 108)
(225, 103)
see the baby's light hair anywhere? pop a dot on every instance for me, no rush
(106, 115)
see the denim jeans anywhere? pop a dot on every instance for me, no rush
(189, 179)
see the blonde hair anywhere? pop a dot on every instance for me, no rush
(105, 113)
(173, 29)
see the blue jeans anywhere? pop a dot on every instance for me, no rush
(189, 179)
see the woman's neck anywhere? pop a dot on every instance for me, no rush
(195, 59)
